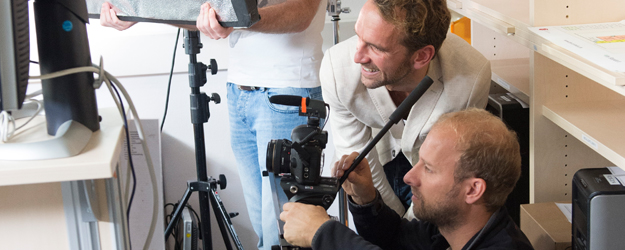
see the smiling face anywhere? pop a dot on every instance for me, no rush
(436, 196)
(384, 61)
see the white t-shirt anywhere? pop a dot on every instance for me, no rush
(277, 60)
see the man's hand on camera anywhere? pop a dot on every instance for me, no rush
(108, 18)
(208, 24)
(301, 222)
(359, 184)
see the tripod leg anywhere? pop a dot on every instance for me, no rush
(207, 241)
(178, 211)
(224, 222)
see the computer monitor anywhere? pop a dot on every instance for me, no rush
(69, 101)
(14, 53)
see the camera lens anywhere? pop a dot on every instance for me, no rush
(278, 156)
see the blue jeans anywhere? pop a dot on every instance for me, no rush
(395, 171)
(254, 121)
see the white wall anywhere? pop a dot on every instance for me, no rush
(142, 56)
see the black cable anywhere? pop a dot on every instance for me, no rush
(171, 72)
(132, 168)
(35, 62)
(174, 233)
(327, 117)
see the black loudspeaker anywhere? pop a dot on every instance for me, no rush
(516, 115)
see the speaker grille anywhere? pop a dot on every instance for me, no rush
(22, 46)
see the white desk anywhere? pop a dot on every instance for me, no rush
(44, 205)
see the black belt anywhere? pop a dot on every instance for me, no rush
(247, 88)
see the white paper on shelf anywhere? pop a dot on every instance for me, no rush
(600, 43)
(619, 173)
(567, 210)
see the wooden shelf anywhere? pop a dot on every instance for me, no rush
(513, 75)
(599, 125)
(569, 96)
(607, 78)
(513, 19)
(96, 161)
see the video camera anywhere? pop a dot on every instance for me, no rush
(299, 162)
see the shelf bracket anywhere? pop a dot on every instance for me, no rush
(454, 4)
(490, 21)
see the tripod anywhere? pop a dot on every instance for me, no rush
(334, 10)
(206, 186)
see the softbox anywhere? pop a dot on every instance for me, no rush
(232, 13)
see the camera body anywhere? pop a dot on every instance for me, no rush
(302, 160)
(299, 161)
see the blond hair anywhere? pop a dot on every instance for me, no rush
(490, 151)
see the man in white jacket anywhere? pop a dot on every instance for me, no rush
(366, 77)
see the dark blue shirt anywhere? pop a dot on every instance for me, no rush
(382, 228)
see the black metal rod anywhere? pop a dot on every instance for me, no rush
(174, 219)
(343, 213)
(207, 195)
(225, 224)
(365, 151)
(200, 157)
(343, 216)
(220, 222)
(399, 113)
(192, 47)
(199, 115)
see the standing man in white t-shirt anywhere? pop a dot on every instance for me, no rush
(279, 55)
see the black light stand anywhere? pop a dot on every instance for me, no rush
(206, 186)
(334, 10)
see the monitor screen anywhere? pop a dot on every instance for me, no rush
(14, 53)
(69, 101)
(62, 43)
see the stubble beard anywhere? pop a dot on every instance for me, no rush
(393, 79)
(445, 214)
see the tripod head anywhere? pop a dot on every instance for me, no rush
(334, 8)
(200, 111)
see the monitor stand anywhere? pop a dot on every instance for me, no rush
(70, 139)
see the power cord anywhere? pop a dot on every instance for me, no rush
(109, 80)
(130, 163)
(171, 72)
(175, 232)
(327, 116)
(7, 121)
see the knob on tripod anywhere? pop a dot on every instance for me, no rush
(222, 182)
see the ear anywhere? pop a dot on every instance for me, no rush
(423, 56)
(475, 190)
